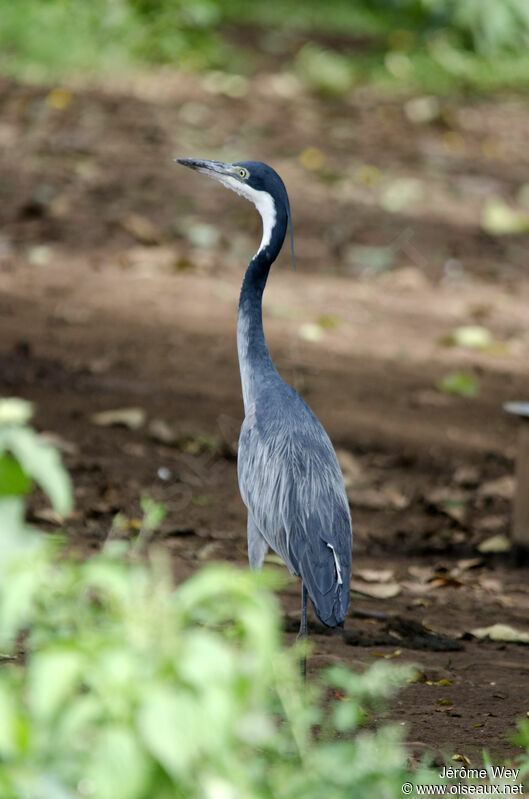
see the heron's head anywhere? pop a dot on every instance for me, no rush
(260, 184)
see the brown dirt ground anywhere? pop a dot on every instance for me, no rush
(101, 309)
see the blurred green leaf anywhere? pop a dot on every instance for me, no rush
(41, 462)
(428, 43)
(53, 676)
(119, 767)
(153, 513)
(401, 193)
(329, 321)
(460, 383)
(499, 219)
(370, 260)
(202, 235)
(13, 480)
(168, 727)
(8, 727)
(325, 71)
(202, 500)
(15, 411)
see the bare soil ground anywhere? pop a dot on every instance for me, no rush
(119, 278)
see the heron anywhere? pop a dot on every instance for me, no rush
(289, 476)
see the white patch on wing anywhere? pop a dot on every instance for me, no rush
(337, 564)
(262, 201)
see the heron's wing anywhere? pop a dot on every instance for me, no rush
(257, 545)
(292, 485)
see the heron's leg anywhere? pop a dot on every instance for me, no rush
(257, 546)
(303, 627)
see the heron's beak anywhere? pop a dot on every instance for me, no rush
(215, 169)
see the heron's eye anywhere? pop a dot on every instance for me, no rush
(243, 173)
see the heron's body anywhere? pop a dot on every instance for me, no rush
(289, 476)
(291, 483)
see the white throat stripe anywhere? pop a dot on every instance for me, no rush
(262, 201)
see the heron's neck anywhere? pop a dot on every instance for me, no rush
(255, 363)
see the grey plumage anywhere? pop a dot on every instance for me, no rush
(292, 485)
(289, 476)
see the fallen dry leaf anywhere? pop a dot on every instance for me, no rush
(496, 543)
(406, 278)
(421, 110)
(121, 523)
(490, 523)
(422, 573)
(394, 654)
(134, 449)
(421, 602)
(440, 576)
(466, 476)
(416, 588)
(469, 563)
(48, 515)
(376, 590)
(446, 581)
(162, 431)
(141, 228)
(461, 759)
(207, 550)
(417, 676)
(490, 584)
(444, 706)
(310, 331)
(450, 501)
(499, 219)
(377, 499)
(151, 258)
(375, 575)
(503, 487)
(501, 632)
(133, 418)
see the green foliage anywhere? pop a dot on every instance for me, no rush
(135, 689)
(485, 26)
(105, 35)
(482, 25)
(52, 37)
(131, 688)
(432, 44)
(153, 513)
(23, 457)
(177, 31)
(326, 72)
(461, 383)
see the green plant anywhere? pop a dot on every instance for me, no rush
(460, 383)
(130, 688)
(177, 31)
(433, 44)
(521, 738)
(24, 459)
